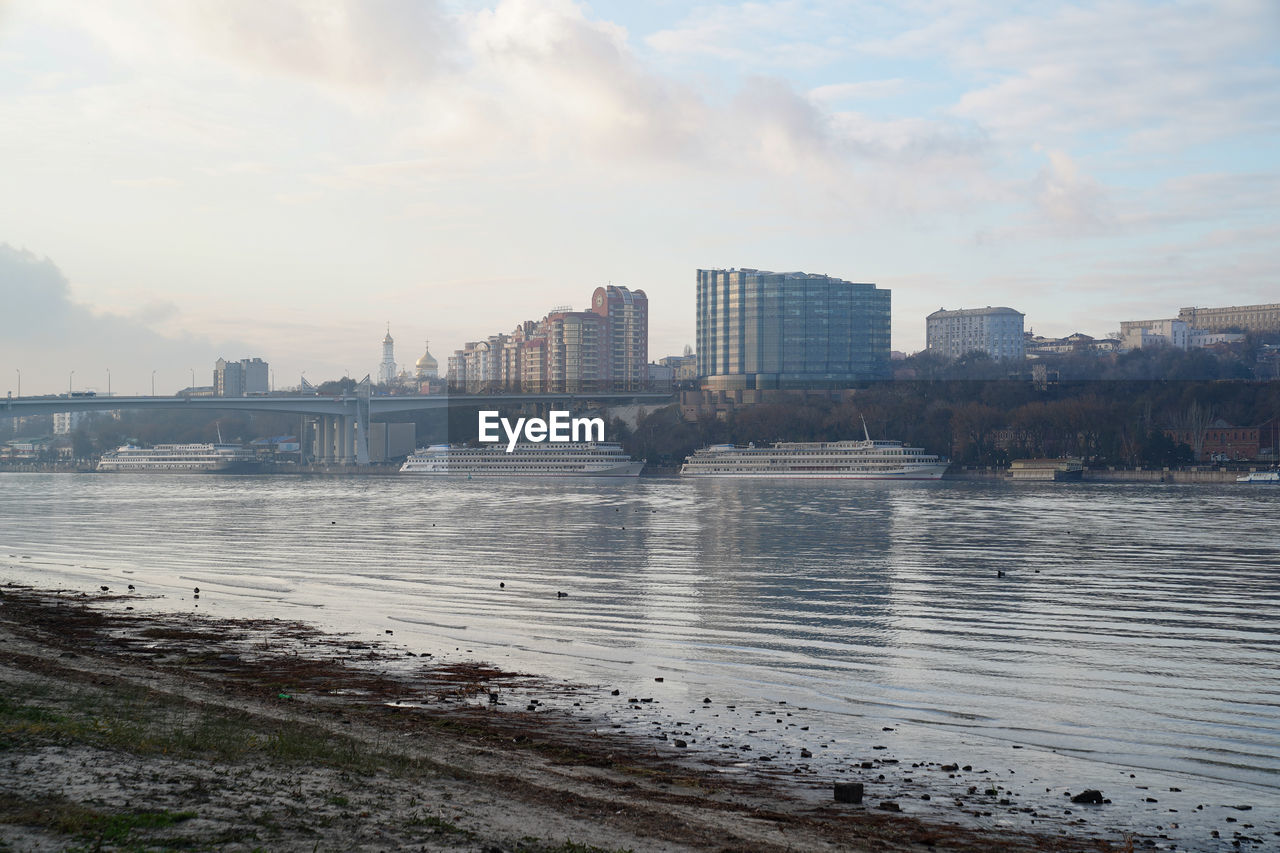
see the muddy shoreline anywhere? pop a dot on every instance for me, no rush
(120, 729)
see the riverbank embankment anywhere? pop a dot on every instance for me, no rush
(1182, 476)
(122, 730)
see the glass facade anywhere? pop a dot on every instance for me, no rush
(759, 329)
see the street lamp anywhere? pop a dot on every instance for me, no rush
(193, 379)
(19, 381)
(72, 373)
(108, 381)
(153, 383)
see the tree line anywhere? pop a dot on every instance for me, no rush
(976, 422)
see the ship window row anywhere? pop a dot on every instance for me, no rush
(835, 469)
(465, 468)
(791, 454)
(502, 454)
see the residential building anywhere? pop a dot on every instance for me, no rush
(533, 365)
(684, 367)
(626, 343)
(256, 376)
(1221, 441)
(1204, 326)
(758, 329)
(473, 367)
(1129, 326)
(228, 380)
(238, 378)
(994, 331)
(605, 347)
(1205, 338)
(1242, 318)
(1146, 333)
(516, 350)
(65, 423)
(575, 352)
(1037, 346)
(661, 377)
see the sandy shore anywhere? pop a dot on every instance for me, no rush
(120, 730)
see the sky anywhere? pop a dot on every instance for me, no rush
(191, 179)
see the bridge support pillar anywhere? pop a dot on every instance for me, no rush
(348, 439)
(362, 432)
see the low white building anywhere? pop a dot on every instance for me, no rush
(1077, 342)
(1149, 333)
(1206, 338)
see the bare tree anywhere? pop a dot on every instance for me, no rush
(1196, 421)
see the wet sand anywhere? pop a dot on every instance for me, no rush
(120, 730)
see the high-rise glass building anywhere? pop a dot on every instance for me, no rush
(760, 329)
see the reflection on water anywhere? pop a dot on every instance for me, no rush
(1134, 624)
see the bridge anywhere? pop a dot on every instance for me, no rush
(340, 423)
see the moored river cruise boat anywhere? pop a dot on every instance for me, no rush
(181, 459)
(817, 460)
(527, 459)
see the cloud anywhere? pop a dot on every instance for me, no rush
(1209, 197)
(425, 134)
(350, 43)
(788, 131)
(570, 83)
(48, 334)
(1067, 197)
(157, 182)
(523, 87)
(858, 91)
(154, 311)
(786, 34)
(1160, 74)
(35, 295)
(366, 43)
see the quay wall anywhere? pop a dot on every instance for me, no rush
(1116, 475)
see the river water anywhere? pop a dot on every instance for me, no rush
(1132, 645)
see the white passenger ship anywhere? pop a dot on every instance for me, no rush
(817, 460)
(528, 459)
(182, 458)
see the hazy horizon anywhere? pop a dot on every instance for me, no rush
(189, 180)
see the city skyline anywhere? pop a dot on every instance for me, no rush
(279, 179)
